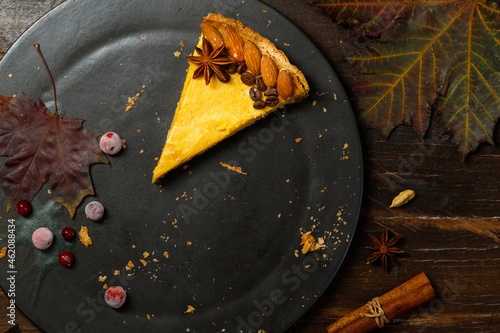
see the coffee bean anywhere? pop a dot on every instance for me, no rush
(242, 67)
(259, 105)
(232, 68)
(248, 78)
(260, 84)
(225, 78)
(271, 92)
(254, 94)
(272, 100)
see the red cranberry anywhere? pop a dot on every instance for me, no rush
(23, 207)
(67, 233)
(66, 258)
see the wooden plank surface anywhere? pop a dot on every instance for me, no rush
(450, 230)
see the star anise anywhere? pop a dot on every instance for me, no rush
(384, 248)
(209, 62)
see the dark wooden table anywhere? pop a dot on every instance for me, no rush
(451, 230)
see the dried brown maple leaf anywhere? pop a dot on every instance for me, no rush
(44, 147)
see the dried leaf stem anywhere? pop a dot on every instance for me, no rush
(37, 46)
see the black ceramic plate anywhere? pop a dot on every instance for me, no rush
(232, 239)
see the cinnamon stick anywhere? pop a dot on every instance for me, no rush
(402, 299)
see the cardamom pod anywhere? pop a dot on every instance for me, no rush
(402, 198)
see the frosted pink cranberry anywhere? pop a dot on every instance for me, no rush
(115, 296)
(42, 238)
(110, 143)
(94, 210)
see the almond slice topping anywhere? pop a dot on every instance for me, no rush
(252, 57)
(234, 43)
(269, 71)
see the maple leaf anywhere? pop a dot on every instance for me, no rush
(427, 51)
(44, 147)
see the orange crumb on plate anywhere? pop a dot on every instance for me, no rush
(309, 243)
(83, 234)
(3, 252)
(129, 266)
(233, 168)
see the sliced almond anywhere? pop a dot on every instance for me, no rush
(269, 71)
(252, 57)
(285, 84)
(212, 35)
(234, 43)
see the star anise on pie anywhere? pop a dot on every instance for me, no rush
(384, 248)
(209, 61)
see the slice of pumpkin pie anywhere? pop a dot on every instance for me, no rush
(235, 77)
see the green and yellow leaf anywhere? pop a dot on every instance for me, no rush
(427, 51)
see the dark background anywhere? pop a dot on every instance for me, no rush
(450, 230)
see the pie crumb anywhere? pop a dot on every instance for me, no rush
(83, 234)
(233, 168)
(190, 309)
(129, 266)
(3, 252)
(309, 243)
(102, 278)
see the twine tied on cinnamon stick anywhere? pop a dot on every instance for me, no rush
(376, 312)
(381, 310)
